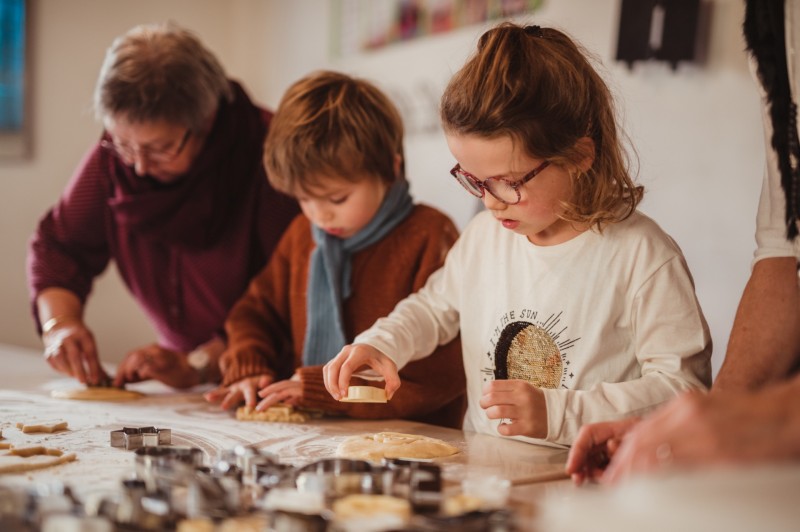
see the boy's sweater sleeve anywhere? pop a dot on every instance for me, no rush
(257, 326)
(673, 347)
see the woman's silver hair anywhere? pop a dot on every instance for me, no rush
(160, 72)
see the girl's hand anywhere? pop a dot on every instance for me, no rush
(594, 447)
(288, 392)
(242, 390)
(520, 404)
(155, 362)
(69, 348)
(352, 358)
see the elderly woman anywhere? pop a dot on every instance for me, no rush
(176, 194)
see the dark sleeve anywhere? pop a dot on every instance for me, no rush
(274, 214)
(275, 210)
(258, 325)
(70, 245)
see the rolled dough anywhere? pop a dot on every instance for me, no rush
(23, 459)
(373, 447)
(97, 394)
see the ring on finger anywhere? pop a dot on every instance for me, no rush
(664, 453)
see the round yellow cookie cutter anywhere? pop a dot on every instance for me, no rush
(365, 394)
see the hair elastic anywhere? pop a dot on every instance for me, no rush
(534, 30)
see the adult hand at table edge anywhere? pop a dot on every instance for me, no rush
(70, 348)
(594, 447)
(69, 345)
(352, 358)
(244, 390)
(158, 363)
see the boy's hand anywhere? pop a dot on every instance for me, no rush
(594, 447)
(518, 402)
(288, 392)
(242, 390)
(352, 358)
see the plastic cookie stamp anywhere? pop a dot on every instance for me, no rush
(364, 394)
(133, 438)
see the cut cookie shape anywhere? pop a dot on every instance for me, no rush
(43, 427)
(364, 394)
(23, 459)
(275, 414)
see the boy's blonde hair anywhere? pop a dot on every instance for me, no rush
(330, 124)
(537, 86)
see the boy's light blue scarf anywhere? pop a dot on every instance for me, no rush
(329, 275)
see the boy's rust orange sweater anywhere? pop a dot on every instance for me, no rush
(266, 328)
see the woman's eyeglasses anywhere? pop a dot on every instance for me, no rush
(501, 188)
(163, 156)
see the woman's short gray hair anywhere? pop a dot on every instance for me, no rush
(160, 72)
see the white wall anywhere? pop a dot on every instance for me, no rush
(68, 42)
(697, 131)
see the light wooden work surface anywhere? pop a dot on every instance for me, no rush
(762, 498)
(26, 382)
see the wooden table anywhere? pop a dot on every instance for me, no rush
(762, 498)
(26, 382)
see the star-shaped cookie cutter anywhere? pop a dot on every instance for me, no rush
(131, 438)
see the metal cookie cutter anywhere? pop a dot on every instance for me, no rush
(132, 438)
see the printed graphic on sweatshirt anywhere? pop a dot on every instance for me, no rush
(534, 351)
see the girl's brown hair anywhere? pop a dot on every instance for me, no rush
(330, 124)
(537, 86)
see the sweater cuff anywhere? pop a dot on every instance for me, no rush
(237, 366)
(315, 395)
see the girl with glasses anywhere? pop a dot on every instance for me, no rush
(572, 305)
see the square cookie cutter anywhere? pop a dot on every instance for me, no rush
(131, 438)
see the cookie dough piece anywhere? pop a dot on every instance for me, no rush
(461, 504)
(23, 459)
(43, 427)
(364, 394)
(373, 447)
(362, 506)
(98, 393)
(274, 414)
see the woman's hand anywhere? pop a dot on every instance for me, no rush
(594, 447)
(69, 347)
(519, 404)
(156, 362)
(242, 390)
(351, 358)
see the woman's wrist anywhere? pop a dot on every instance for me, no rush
(57, 321)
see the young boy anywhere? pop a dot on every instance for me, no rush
(336, 144)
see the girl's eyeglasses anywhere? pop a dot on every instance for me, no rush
(501, 188)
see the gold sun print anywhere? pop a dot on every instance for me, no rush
(531, 354)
